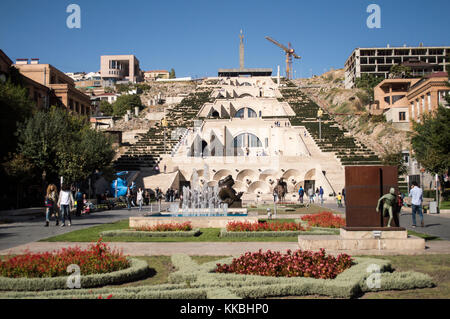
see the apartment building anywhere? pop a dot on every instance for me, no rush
(40, 94)
(427, 94)
(119, 68)
(62, 86)
(378, 61)
(156, 74)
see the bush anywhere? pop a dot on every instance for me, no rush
(98, 259)
(263, 226)
(297, 264)
(324, 219)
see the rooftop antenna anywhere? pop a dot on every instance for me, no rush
(241, 51)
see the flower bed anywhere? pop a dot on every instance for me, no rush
(324, 219)
(261, 226)
(292, 264)
(97, 259)
(171, 227)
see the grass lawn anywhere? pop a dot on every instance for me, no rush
(445, 205)
(207, 235)
(290, 209)
(424, 236)
(437, 266)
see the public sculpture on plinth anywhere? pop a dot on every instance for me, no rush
(228, 195)
(388, 205)
(281, 189)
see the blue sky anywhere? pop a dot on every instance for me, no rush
(197, 37)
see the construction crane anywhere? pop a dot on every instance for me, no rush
(290, 53)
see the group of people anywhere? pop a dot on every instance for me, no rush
(61, 204)
(139, 197)
(314, 196)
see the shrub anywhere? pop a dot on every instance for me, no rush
(187, 226)
(292, 264)
(324, 219)
(98, 259)
(263, 226)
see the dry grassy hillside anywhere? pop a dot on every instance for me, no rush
(350, 109)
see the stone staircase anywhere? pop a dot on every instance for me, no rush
(334, 139)
(148, 150)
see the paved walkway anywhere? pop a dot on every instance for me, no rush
(32, 229)
(214, 249)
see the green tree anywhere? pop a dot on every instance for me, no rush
(431, 142)
(125, 103)
(15, 107)
(400, 71)
(172, 74)
(106, 108)
(64, 145)
(394, 157)
(368, 82)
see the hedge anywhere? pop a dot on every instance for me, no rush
(245, 234)
(140, 234)
(137, 270)
(193, 281)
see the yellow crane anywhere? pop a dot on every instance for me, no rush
(290, 53)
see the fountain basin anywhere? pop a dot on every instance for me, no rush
(197, 221)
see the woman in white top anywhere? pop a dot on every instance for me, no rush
(65, 203)
(140, 198)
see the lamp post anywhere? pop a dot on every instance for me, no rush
(319, 115)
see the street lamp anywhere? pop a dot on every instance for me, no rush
(319, 115)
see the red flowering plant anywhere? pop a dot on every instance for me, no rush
(97, 259)
(263, 226)
(324, 219)
(292, 264)
(187, 226)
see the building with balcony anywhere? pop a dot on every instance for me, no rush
(119, 68)
(378, 61)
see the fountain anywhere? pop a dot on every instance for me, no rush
(202, 205)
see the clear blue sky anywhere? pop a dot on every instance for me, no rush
(197, 37)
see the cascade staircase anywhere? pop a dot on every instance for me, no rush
(334, 139)
(148, 150)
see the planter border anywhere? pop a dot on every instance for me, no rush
(138, 268)
(141, 234)
(246, 234)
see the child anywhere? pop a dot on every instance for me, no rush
(339, 200)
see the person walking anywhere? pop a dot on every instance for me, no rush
(339, 200)
(321, 195)
(311, 195)
(416, 195)
(65, 203)
(79, 202)
(343, 195)
(275, 195)
(51, 198)
(128, 196)
(301, 193)
(140, 198)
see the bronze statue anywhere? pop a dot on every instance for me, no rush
(228, 195)
(281, 189)
(389, 204)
